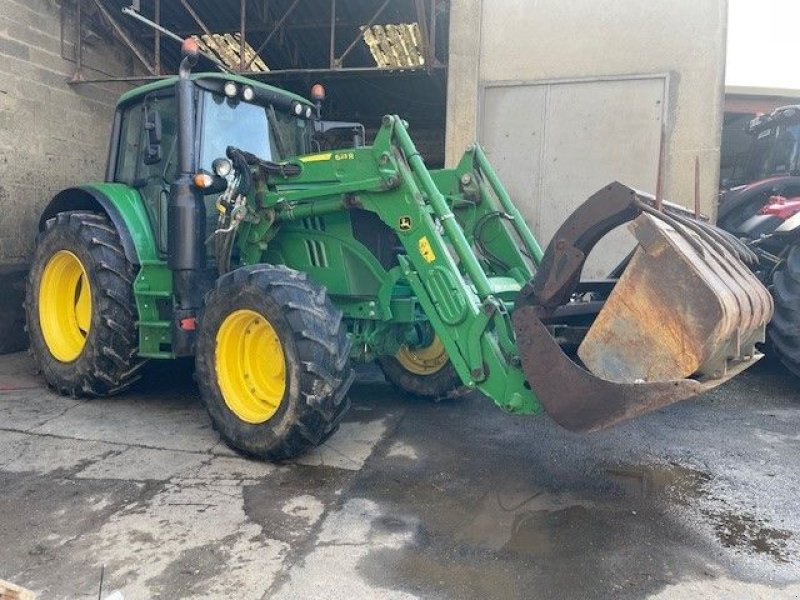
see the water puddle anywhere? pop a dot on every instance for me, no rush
(675, 482)
(563, 533)
(564, 540)
(680, 485)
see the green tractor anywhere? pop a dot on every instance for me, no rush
(222, 232)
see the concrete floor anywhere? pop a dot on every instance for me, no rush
(409, 500)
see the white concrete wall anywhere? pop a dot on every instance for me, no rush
(538, 40)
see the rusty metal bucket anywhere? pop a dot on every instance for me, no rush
(684, 316)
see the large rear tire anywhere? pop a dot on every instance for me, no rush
(272, 362)
(79, 307)
(425, 372)
(784, 329)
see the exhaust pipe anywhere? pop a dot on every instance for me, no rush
(186, 216)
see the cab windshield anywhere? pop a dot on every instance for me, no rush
(269, 133)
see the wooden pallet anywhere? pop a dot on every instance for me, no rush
(9, 591)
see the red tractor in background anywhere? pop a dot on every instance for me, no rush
(760, 204)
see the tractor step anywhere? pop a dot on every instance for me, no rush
(154, 336)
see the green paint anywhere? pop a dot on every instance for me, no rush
(466, 297)
(152, 287)
(453, 252)
(129, 203)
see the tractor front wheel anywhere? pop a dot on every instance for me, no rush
(784, 329)
(80, 311)
(424, 371)
(272, 362)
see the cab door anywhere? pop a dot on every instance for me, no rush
(147, 159)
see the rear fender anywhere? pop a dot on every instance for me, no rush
(122, 204)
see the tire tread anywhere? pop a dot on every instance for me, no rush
(323, 351)
(109, 363)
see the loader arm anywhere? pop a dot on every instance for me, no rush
(466, 296)
(685, 303)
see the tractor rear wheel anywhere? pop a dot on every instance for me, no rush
(272, 362)
(426, 371)
(784, 329)
(79, 307)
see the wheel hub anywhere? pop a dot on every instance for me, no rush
(423, 361)
(250, 365)
(65, 305)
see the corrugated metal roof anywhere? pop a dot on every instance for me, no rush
(395, 45)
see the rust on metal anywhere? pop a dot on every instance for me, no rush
(578, 400)
(696, 187)
(562, 263)
(684, 306)
(662, 157)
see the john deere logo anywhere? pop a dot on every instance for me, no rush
(405, 223)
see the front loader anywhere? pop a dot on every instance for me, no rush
(223, 232)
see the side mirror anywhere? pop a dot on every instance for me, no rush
(152, 125)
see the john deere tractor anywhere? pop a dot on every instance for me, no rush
(222, 232)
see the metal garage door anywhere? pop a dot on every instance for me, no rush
(556, 143)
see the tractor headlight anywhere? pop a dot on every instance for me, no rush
(297, 108)
(308, 112)
(230, 89)
(248, 93)
(222, 167)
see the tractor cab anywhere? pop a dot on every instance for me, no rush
(764, 190)
(774, 150)
(229, 111)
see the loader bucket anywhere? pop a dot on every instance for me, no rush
(684, 315)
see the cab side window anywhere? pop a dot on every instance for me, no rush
(129, 144)
(131, 167)
(152, 178)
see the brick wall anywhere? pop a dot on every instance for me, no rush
(52, 134)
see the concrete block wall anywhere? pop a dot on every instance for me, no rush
(52, 134)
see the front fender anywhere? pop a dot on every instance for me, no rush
(122, 204)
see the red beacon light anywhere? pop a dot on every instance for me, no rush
(190, 47)
(317, 92)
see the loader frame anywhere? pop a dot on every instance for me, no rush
(437, 217)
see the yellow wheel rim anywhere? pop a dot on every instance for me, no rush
(423, 361)
(251, 368)
(65, 306)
